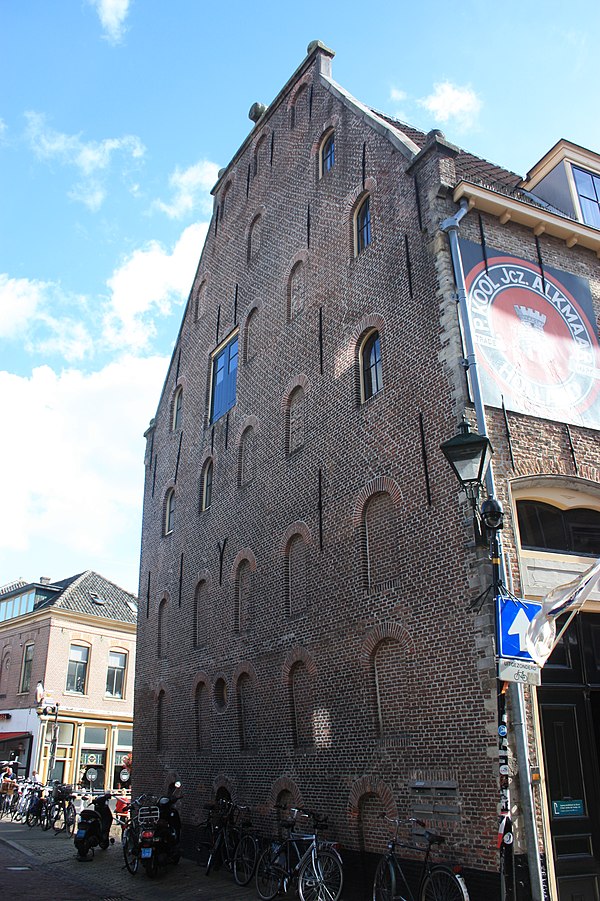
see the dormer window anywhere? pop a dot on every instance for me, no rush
(588, 193)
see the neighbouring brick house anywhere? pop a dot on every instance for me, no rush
(67, 657)
(306, 629)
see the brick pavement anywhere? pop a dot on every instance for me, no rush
(58, 876)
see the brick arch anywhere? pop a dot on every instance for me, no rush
(163, 596)
(259, 213)
(298, 655)
(245, 554)
(244, 667)
(221, 780)
(203, 575)
(299, 381)
(366, 324)
(380, 485)
(588, 483)
(159, 687)
(296, 528)
(302, 83)
(201, 283)
(301, 256)
(265, 133)
(249, 422)
(284, 784)
(555, 466)
(329, 125)
(367, 786)
(201, 678)
(381, 632)
(354, 197)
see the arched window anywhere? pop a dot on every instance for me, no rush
(206, 484)
(247, 458)
(169, 511)
(295, 424)
(246, 708)
(301, 702)
(161, 725)
(200, 613)
(297, 291)
(544, 527)
(177, 417)
(254, 238)
(252, 335)
(362, 226)
(296, 575)
(327, 154)
(202, 717)
(243, 595)
(370, 366)
(160, 629)
(381, 544)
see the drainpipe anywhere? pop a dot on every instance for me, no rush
(450, 227)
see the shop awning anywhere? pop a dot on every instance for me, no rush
(9, 736)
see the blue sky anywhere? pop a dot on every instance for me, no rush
(115, 116)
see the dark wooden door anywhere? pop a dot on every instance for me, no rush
(569, 701)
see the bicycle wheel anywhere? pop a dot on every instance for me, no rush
(244, 859)
(33, 816)
(49, 816)
(268, 876)
(70, 818)
(130, 851)
(384, 883)
(204, 844)
(442, 884)
(321, 877)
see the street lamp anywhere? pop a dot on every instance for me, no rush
(469, 454)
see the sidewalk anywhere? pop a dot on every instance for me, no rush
(105, 877)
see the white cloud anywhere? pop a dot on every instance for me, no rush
(76, 471)
(91, 159)
(397, 95)
(20, 299)
(191, 188)
(450, 102)
(112, 15)
(148, 284)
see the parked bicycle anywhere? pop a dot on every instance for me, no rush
(437, 882)
(226, 838)
(61, 815)
(301, 858)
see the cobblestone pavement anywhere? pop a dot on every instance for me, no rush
(42, 865)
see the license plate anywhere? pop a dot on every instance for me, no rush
(80, 833)
(146, 852)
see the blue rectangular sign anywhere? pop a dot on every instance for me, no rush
(514, 617)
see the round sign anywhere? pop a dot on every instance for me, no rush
(91, 774)
(508, 838)
(124, 775)
(502, 730)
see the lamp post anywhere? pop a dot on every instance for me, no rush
(52, 708)
(469, 454)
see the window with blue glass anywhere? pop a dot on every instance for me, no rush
(372, 375)
(327, 153)
(588, 189)
(363, 225)
(224, 376)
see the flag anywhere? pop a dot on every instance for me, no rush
(541, 634)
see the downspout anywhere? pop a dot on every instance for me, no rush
(450, 227)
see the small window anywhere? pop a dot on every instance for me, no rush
(206, 486)
(588, 190)
(177, 419)
(363, 225)
(26, 668)
(115, 676)
(327, 153)
(77, 669)
(170, 512)
(224, 376)
(370, 365)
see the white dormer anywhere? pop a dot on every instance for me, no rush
(568, 178)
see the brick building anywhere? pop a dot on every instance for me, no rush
(306, 628)
(67, 656)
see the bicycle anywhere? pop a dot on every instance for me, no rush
(437, 882)
(225, 838)
(302, 858)
(130, 832)
(62, 815)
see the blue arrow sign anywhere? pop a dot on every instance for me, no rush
(513, 620)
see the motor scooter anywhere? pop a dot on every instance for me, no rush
(160, 832)
(94, 828)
